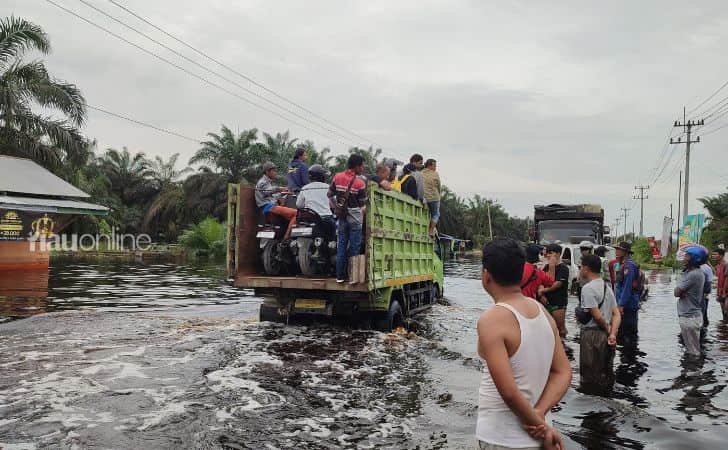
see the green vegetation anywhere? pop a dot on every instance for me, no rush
(716, 232)
(25, 84)
(206, 238)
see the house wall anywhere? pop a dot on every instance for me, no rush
(17, 255)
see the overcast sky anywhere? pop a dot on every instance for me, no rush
(523, 101)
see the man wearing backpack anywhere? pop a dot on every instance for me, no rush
(628, 294)
(599, 332)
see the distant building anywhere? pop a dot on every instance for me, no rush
(35, 203)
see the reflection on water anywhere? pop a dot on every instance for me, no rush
(190, 367)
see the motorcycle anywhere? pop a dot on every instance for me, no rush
(314, 243)
(276, 253)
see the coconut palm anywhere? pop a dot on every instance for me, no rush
(24, 84)
(165, 173)
(237, 158)
(128, 174)
(279, 148)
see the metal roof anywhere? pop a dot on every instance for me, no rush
(23, 176)
(51, 205)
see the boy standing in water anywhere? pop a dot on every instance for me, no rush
(527, 371)
(557, 295)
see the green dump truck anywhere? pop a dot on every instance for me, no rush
(402, 273)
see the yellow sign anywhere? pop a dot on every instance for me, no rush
(11, 225)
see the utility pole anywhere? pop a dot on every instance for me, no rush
(641, 197)
(490, 223)
(679, 191)
(669, 245)
(687, 125)
(618, 220)
(626, 213)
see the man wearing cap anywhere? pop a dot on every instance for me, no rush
(586, 248)
(627, 298)
(533, 277)
(267, 195)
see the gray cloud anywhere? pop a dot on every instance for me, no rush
(529, 102)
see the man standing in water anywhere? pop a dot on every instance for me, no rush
(527, 372)
(628, 299)
(599, 335)
(721, 271)
(556, 297)
(690, 304)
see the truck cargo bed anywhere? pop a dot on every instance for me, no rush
(327, 284)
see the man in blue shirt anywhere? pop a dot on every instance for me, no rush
(298, 171)
(628, 299)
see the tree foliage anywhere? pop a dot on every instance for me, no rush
(27, 84)
(716, 232)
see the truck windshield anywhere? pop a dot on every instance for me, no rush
(564, 232)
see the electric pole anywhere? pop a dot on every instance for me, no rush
(687, 126)
(618, 220)
(677, 228)
(641, 197)
(626, 213)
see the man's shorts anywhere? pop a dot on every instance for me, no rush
(552, 308)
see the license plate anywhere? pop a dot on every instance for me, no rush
(309, 303)
(302, 231)
(266, 234)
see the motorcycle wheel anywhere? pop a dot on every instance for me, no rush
(305, 260)
(271, 263)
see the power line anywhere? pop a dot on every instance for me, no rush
(236, 72)
(192, 74)
(210, 70)
(710, 97)
(144, 124)
(715, 129)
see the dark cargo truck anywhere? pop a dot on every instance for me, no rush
(400, 272)
(570, 224)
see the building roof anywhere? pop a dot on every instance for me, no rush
(50, 205)
(23, 176)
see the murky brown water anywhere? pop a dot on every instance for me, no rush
(167, 356)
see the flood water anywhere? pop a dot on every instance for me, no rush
(168, 356)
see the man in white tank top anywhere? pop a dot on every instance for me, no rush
(527, 372)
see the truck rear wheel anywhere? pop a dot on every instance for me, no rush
(305, 259)
(390, 320)
(269, 313)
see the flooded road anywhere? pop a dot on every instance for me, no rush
(166, 356)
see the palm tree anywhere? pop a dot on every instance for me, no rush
(279, 148)
(716, 232)
(23, 84)
(205, 195)
(165, 173)
(128, 174)
(236, 158)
